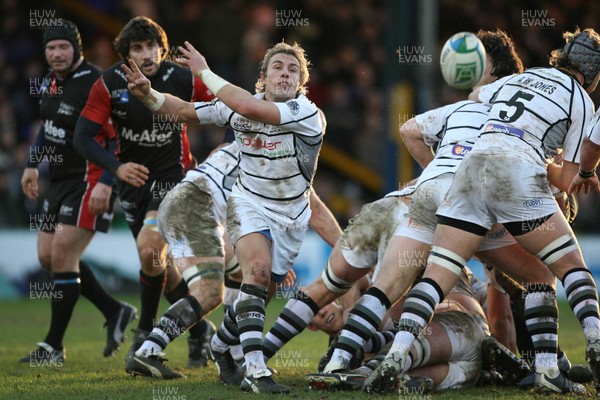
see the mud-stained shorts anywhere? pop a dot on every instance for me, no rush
(422, 220)
(244, 216)
(466, 333)
(189, 223)
(498, 186)
(66, 203)
(365, 239)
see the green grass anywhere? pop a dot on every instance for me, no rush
(87, 375)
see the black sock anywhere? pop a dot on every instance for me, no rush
(180, 291)
(151, 288)
(63, 298)
(94, 292)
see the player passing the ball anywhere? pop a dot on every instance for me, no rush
(280, 133)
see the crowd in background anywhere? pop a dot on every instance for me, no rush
(345, 40)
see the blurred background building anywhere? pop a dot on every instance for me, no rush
(358, 77)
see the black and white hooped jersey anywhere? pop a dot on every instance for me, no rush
(594, 128)
(277, 162)
(456, 128)
(538, 112)
(221, 169)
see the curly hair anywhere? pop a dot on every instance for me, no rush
(294, 50)
(137, 29)
(501, 50)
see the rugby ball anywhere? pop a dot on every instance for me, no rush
(462, 60)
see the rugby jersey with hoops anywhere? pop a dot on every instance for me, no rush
(538, 113)
(277, 162)
(456, 128)
(220, 170)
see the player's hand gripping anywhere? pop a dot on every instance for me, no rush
(137, 83)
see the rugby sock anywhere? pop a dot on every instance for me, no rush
(295, 317)
(94, 292)
(63, 299)
(378, 341)
(232, 289)
(583, 298)
(364, 320)
(179, 292)
(250, 309)
(228, 334)
(541, 318)
(420, 352)
(374, 362)
(179, 317)
(417, 313)
(151, 288)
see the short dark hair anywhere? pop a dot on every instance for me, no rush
(501, 50)
(140, 28)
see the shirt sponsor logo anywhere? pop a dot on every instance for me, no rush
(258, 143)
(82, 73)
(242, 126)
(499, 234)
(461, 151)
(124, 97)
(146, 137)
(65, 210)
(53, 133)
(507, 130)
(533, 203)
(168, 74)
(65, 109)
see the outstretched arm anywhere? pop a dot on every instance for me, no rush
(236, 98)
(158, 103)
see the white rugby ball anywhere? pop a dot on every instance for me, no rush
(462, 60)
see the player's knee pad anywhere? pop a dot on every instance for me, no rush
(461, 374)
(204, 270)
(447, 259)
(558, 248)
(151, 223)
(233, 266)
(332, 282)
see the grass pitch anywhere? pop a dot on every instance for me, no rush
(86, 375)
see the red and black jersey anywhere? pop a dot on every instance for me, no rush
(61, 103)
(156, 141)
